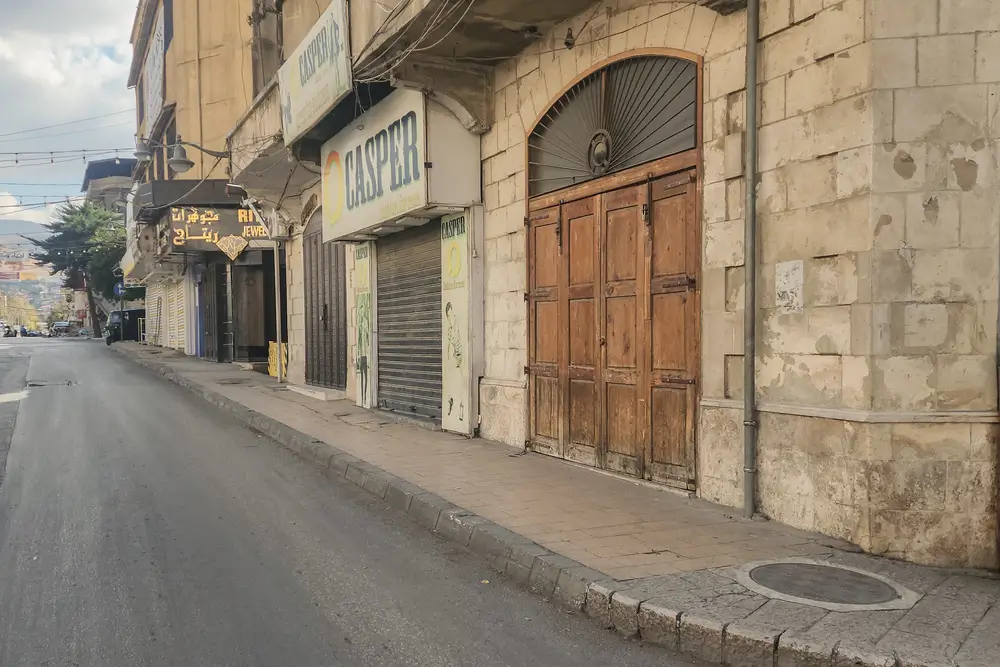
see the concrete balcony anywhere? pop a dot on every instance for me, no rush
(260, 161)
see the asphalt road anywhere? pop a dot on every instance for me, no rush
(141, 526)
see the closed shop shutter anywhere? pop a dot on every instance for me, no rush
(181, 315)
(154, 313)
(326, 308)
(408, 306)
(171, 315)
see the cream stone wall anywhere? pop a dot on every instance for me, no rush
(878, 217)
(295, 309)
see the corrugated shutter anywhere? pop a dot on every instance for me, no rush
(326, 308)
(408, 304)
(172, 315)
(154, 313)
(182, 315)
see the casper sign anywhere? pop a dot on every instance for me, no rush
(374, 170)
(317, 74)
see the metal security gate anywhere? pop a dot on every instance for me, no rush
(326, 308)
(408, 310)
(211, 296)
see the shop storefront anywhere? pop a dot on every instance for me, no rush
(401, 183)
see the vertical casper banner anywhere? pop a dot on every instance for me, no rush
(456, 414)
(317, 74)
(373, 171)
(363, 324)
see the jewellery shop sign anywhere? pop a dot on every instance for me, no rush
(227, 230)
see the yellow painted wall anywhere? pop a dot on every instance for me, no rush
(216, 35)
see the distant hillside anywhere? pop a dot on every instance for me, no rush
(13, 227)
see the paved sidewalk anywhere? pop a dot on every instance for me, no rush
(667, 568)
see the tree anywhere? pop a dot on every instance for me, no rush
(86, 244)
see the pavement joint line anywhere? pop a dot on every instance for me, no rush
(607, 602)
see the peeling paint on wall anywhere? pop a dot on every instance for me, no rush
(788, 282)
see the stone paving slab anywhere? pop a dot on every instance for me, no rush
(688, 601)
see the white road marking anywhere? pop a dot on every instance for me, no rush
(10, 398)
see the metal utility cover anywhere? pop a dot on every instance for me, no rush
(826, 585)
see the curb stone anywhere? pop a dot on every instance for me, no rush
(576, 587)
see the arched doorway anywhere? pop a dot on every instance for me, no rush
(324, 284)
(613, 255)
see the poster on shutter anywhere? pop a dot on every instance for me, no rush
(363, 323)
(456, 414)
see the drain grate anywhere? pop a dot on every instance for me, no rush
(823, 583)
(232, 381)
(50, 383)
(826, 585)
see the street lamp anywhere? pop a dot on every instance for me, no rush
(178, 160)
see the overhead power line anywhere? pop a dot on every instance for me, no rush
(64, 134)
(70, 122)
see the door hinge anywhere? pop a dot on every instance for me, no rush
(645, 214)
(525, 297)
(527, 369)
(428, 165)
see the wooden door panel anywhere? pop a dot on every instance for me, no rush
(669, 333)
(620, 332)
(546, 326)
(547, 256)
(582, 413)
(674, 259)
(621, 240)
(579, 368)
(580, 245)
(621, 418)
(583, 333)
(547, 407)
(670, 414)
(669, 225)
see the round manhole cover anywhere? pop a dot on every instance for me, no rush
(824, 583)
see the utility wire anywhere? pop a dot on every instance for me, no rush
(71, 122)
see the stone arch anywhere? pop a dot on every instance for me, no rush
(633, 108)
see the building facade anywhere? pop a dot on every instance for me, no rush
(615, 146)
(193, 76)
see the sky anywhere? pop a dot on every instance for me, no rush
(61, 61)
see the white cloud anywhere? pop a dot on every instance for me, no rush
(61, 60)
(12, 209)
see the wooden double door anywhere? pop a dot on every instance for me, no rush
(613, 319)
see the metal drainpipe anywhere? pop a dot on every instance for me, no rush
(750, 268)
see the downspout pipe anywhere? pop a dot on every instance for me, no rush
(750, 424)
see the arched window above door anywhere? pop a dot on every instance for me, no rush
(627, 113)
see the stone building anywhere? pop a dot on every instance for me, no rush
(614, 138)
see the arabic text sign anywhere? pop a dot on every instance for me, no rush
(13, 255)
(317, 74)
(200, 229)
(373, 171)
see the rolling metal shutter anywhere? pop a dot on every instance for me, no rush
(324, 282)
(154, 313)
(171, 290)
(408, 308)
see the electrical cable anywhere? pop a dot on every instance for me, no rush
(71, 122)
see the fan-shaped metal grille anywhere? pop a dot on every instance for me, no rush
(630, 112)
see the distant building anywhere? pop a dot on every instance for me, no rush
(107, 181)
